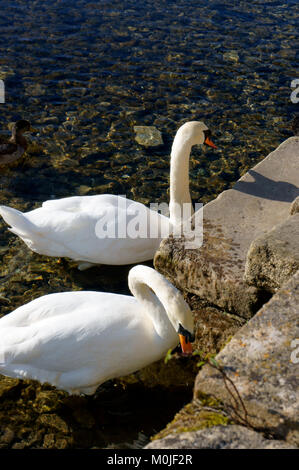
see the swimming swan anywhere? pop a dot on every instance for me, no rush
(78, 340)
(75, 227)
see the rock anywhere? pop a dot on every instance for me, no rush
(48, 401)
(273, 258)
(218, 437)
(262, 362)
(295, 206)
(8, 386)
(35, 89)
(48, 119)
(148, 136)
(6, 72)
(83, 190)
(53, 422)
(257, 202)
(7, 435)
(232, 56)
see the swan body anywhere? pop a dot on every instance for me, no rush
(78, 340)
(68, 227)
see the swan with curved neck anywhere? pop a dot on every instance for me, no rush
(67, 227)
(78, 340)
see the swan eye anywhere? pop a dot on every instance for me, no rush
(189, 336)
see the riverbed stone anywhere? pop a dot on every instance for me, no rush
(232, 56)
(273, 258)
(262, 361)
(148, 136)
(260, 200)
(219, 437)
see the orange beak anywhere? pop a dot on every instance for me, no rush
(210, 143)
(186, 347)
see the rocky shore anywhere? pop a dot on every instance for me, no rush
(248, 268)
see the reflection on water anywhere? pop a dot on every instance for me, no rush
(84, 73)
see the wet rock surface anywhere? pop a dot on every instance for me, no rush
(255, 204)
(219, 437)
(262, 362)
(274, 258)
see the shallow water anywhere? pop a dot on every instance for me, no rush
(84, 73)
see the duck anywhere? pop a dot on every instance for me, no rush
(16, 146)
(76, 341)
(94, 230)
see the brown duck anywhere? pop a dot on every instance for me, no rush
(14, 148)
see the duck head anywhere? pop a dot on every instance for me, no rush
(22, 126)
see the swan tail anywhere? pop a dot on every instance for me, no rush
(36, 239)
(19, 223)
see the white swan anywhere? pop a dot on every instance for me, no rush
(78, 340)
(67, 227)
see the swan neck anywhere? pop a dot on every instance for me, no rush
(179, 176)
(155, 294)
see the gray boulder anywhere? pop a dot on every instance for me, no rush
(262, 361)
(273, 258)
(260, 200)
(218, 437)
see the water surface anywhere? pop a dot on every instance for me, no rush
(84, 73)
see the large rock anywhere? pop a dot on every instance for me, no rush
(262, 360)
(148, 136)
(260, 200)
(218, 437)
(273, 258)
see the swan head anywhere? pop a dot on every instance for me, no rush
(180, 315)
(145, 284)
(196, 133)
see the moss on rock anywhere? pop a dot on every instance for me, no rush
(199, 414)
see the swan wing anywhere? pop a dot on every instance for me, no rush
(74, 340)
(87, 228)
(91, 228)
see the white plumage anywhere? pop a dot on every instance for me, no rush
(67, 227)
(78, 340)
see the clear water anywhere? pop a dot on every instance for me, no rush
(84, 73)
